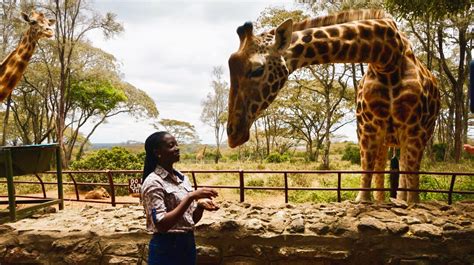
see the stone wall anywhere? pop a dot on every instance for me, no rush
(334, 233)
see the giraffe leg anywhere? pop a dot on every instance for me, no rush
(380, 163)
(410, 160)
(402, 184)
(367, 158)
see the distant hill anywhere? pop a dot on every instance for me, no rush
(128, 145)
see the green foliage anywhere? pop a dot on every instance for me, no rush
(437, 9)
(299, 180)
(115, 158)
(277, 158)
(255, 182)
(92, 95)
(352, 154)
(272, 17)
(183, 131)
(275, 181)
(439, 151)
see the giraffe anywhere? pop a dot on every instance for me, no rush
(201, 154)
(397, 98)
(13, 67)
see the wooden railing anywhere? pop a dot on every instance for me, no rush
(242, 187)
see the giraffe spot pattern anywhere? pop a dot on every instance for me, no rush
(321, 47)
(365, 33)
(307, 38)
(333, 32)
(349, 34)
(379, 108)
(319, 34)
(309, 53)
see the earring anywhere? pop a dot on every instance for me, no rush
(159, 156)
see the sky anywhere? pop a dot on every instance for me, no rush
(168, 49)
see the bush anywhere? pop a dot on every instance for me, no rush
(115, 158)
(439, 151)
(352, 154)
(277, 158)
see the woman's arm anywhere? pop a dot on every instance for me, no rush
(172, 217)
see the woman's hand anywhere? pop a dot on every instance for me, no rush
(207, 204)
(203, 193)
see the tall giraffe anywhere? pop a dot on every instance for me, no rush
(397, 99)
(13, 67)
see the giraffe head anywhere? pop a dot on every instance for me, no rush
(40, 26)
(257, 73)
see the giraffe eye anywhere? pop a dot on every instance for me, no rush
(256, 73)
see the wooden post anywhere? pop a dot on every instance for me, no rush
(339, 187)
(112, 188)
(10, 185)
(59, 175)
(241, 182)
(451, 188)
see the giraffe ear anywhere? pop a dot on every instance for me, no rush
(25, 17)
(283, 35)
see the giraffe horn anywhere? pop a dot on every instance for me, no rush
(245, 30)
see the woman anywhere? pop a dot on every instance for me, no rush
(170, 203)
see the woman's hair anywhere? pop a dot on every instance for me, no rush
(153, 142)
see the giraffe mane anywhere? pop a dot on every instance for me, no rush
(339, 18)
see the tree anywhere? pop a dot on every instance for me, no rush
(70, 83)
(72, 24)
(184, 132)
(214, 107)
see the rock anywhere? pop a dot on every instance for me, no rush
(400, 211)
(450, 226)
(382, 215)
(399, 203)
(397, 228)
(370, 224)
(425, 230)
(278, 222)
(307, 252)
(207, 254)
(411, 220)
(319, 228)
(297, 225)
(254, 225)
(121, 249)
(121, 260)
(229, 225)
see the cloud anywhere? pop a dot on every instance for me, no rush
(168, 49)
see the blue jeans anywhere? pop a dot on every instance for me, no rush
(172, 249)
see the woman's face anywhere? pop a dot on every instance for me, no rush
(168, 152)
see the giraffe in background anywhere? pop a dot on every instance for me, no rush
(201, 154)
(13, 67)
(397, 99)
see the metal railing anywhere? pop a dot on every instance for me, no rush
(242, 187)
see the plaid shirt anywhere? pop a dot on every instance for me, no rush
(161, 193)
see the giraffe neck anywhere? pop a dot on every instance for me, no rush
(13, 67)
(376, 42)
